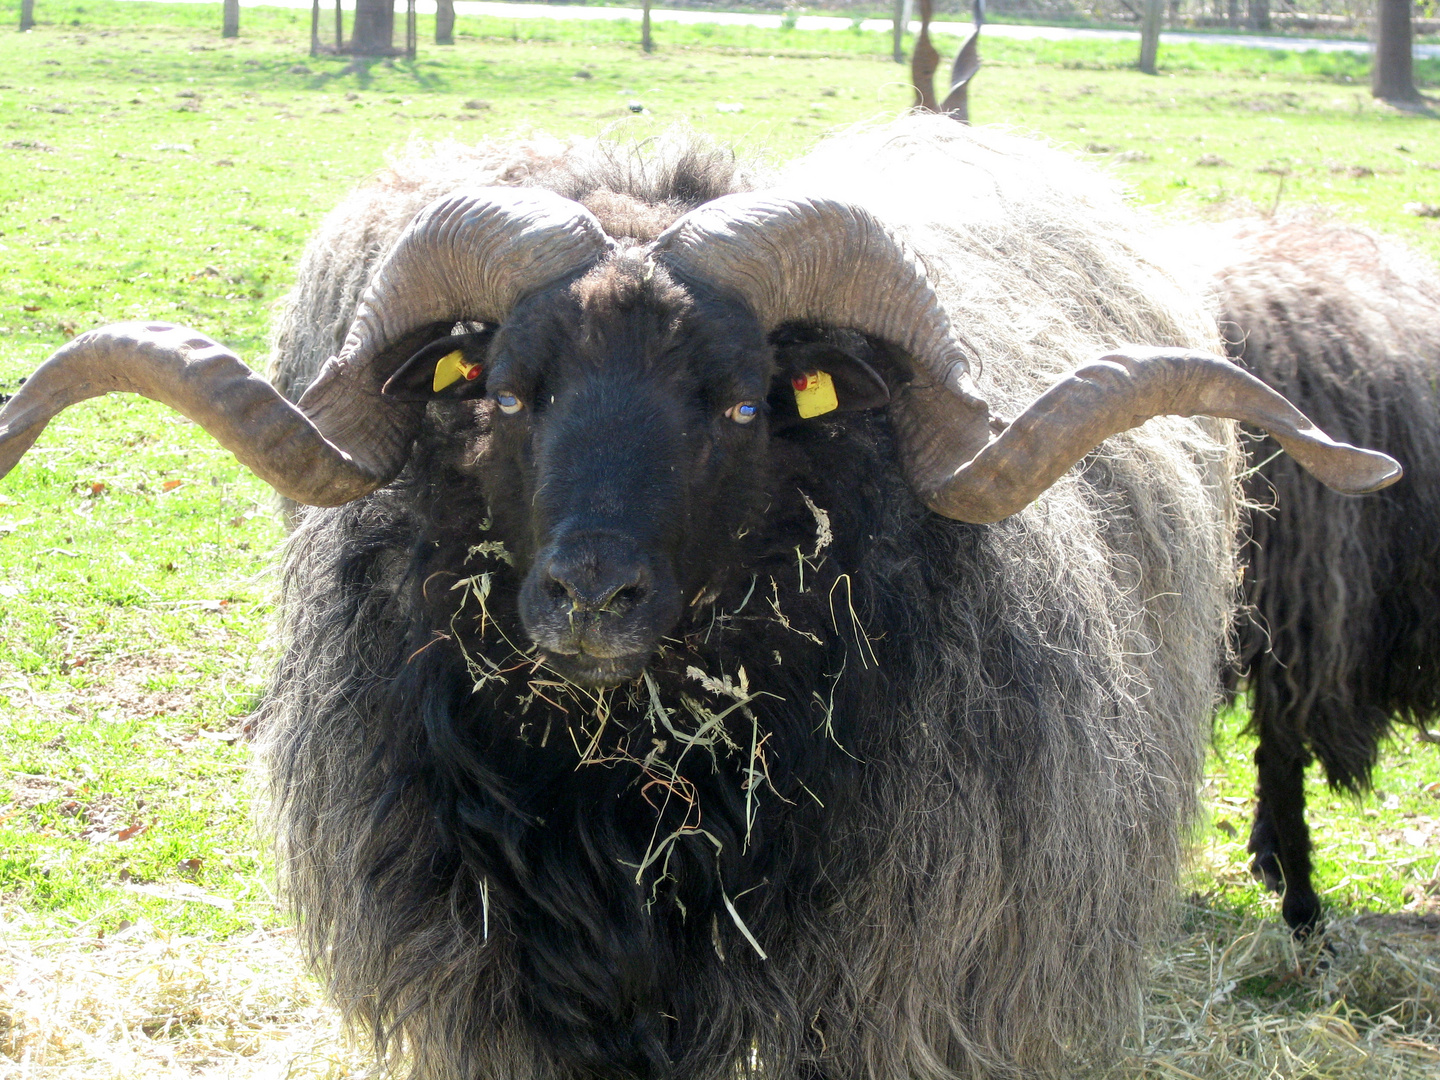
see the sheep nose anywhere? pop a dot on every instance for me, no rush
(595, 583)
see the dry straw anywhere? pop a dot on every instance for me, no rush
(142, 1003)
(1232, 998)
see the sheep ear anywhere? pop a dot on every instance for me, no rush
(818, 377)
(451, 367)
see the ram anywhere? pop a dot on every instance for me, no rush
(1342, 634)
(685, 667)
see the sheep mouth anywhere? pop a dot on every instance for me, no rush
(596, 672)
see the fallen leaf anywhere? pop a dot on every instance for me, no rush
(30, 307)
(97, 487)
(171, 485)
(130, 832)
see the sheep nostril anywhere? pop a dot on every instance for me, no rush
(556, 588)
(588, 586)
(629, 596)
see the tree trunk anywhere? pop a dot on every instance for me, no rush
(1392, 70)
(1150, 23)
(373, 32)
(410, 30)
(444, 22)
(1259, 14)
(902, 24)
(645, 41)
(1232, 14)
(339, 28)
(314, 27)
(230, 19)
(27, 14)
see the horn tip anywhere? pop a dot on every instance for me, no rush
(1353, 470)
(1383, 471)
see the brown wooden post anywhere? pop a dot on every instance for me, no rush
(339, 28)
(27, 14)
(444, 22)
(410, 30)
(646, 42)
(230, 18)
(314, 27)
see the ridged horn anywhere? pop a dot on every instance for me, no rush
(470, 255)
(798, 258)
(829, 262)
(201, 379)
(1122, 390)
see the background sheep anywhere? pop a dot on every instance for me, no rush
(1342, 635)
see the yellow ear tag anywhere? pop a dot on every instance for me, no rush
(814, 394)
(452, 368)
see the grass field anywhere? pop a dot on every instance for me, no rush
(149, 169)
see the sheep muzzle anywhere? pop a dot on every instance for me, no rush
(596, 606)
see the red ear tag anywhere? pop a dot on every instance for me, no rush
(472, 373)
(800, 382)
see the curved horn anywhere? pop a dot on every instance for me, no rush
(827, 261)
(1120, 391)
(469, 255)
(824, 261)
(206, 382)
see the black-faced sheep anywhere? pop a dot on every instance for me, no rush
(1342, 635)
(693, 674)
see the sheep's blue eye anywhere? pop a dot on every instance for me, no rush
(743, 412)
(509, 404)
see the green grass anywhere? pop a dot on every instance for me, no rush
(1375, 853)
(152, 170)
(1378, 853)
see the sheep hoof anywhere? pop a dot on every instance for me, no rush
(1265, 868)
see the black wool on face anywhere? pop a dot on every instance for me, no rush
(605, 835)
(622, 483)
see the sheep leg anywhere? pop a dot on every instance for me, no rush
(1280, 839)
